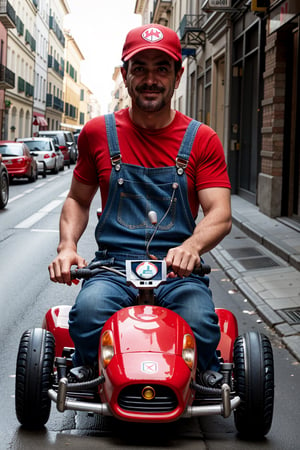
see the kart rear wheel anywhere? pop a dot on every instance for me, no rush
(34, 371)
(254, 384)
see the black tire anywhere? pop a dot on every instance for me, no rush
(33, 176)
(34, 372)
(254, 383)
(55, 170)
(4, 190)
(44, 174)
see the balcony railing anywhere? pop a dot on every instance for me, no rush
(58, 104)
(7, 14)
(7, 78)
(190, 31)
(54, 64)
(54, 102)
(53, 25)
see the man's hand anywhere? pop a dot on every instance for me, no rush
(59, 269)
(183, 259)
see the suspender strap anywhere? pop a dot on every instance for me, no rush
(183, 153)
(112, 139)
(186, 146)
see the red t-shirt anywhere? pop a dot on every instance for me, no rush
(151, 148)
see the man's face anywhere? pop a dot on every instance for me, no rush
(151, 80)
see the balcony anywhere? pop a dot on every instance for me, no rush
(191, 32)
(7, 78)
(53, 25)
(30, 40)
(161, 10)
(58, 104)
(54, 64)
(54, 102)
(7, 14)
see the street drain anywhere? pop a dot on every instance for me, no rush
(258, 263)
(251, 258)
(291, 315)
(244, 252)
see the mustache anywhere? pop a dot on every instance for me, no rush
(149, 88)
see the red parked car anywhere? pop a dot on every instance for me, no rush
(18, 160)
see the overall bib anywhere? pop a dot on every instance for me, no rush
(125, 231)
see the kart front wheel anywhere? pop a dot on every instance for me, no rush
(254, 384)
(34, 371)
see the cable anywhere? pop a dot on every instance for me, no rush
(174, 186)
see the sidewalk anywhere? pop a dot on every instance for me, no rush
(262, 257)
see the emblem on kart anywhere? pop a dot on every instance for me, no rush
(149, 367)
(146, 270)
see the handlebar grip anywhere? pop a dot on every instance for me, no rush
(204, 269)
(80, 273)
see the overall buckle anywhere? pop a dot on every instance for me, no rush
(181, 165)
(116, 162)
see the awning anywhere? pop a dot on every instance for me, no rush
(39, 119)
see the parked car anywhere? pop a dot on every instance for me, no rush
(63, 142)
(46, 152)
(4, 184)
(18, 160)
(76, 135)
(72, 146)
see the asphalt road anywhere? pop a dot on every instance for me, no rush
(28, 240)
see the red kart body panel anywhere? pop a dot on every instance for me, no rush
(148, 343)
(56, 321)
(229, 332)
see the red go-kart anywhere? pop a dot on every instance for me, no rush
(147, 365)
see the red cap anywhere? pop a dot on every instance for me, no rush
(153, 36)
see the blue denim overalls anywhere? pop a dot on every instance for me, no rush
(123, 232)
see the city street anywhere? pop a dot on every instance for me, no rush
(28, 240)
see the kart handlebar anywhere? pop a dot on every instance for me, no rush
(86, 273)
(204, 269)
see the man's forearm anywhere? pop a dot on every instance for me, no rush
(73, 221)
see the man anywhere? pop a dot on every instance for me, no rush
(146, 158)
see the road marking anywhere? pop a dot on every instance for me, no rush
(39, 230)
(37, 186)
(10, 200)
(64, 194)
(31, 220)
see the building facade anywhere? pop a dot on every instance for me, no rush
(72, 87)
(21, 48)
(40, 85)
(241, 61)
(41, 67)
(7, 77)
(56, 64)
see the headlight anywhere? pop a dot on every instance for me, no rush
(188, 350)
(107, 348)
